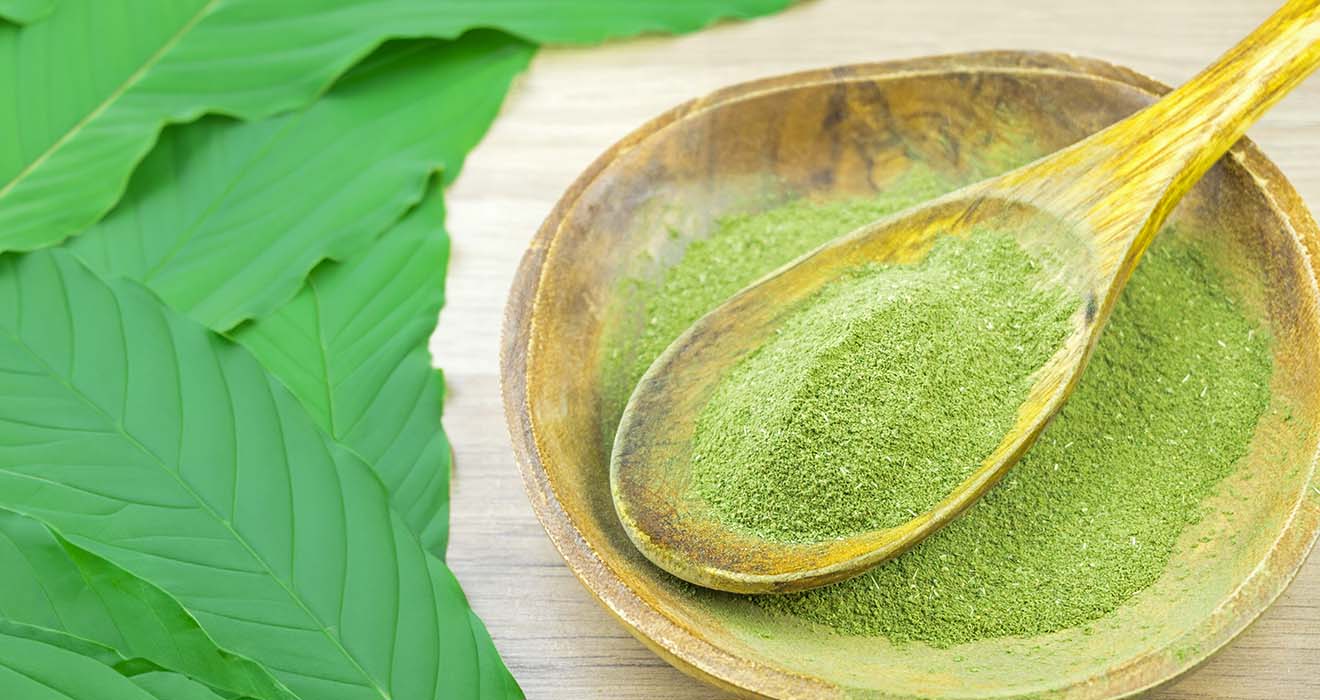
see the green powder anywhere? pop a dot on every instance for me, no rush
(1091, 515)
(881, 394)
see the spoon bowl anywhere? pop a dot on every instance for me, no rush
(650, 477)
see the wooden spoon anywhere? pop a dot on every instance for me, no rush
(1092, 208)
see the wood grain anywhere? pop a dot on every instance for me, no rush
(573, 104)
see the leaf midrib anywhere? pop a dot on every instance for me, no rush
(123, 431)
(110, 99)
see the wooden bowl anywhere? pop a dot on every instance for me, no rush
(845, 132)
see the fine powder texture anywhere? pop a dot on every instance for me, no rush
(1091, 515)
(880, 394)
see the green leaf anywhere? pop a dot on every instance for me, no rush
(67, 146)
(224, 219)
(25, 11)
(170, 452)
(173, 686)
(30, 670)
(58, 593)
(591, 21)
(352, 347)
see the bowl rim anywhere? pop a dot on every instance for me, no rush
(692, 653)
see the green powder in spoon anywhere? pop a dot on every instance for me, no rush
(1092, 513)
(880, 394)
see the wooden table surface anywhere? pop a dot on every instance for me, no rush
(574, 103)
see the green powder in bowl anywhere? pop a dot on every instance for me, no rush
(1090, 516)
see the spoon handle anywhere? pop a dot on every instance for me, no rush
(1125, 180)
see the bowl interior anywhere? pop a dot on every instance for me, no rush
(846, 133)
